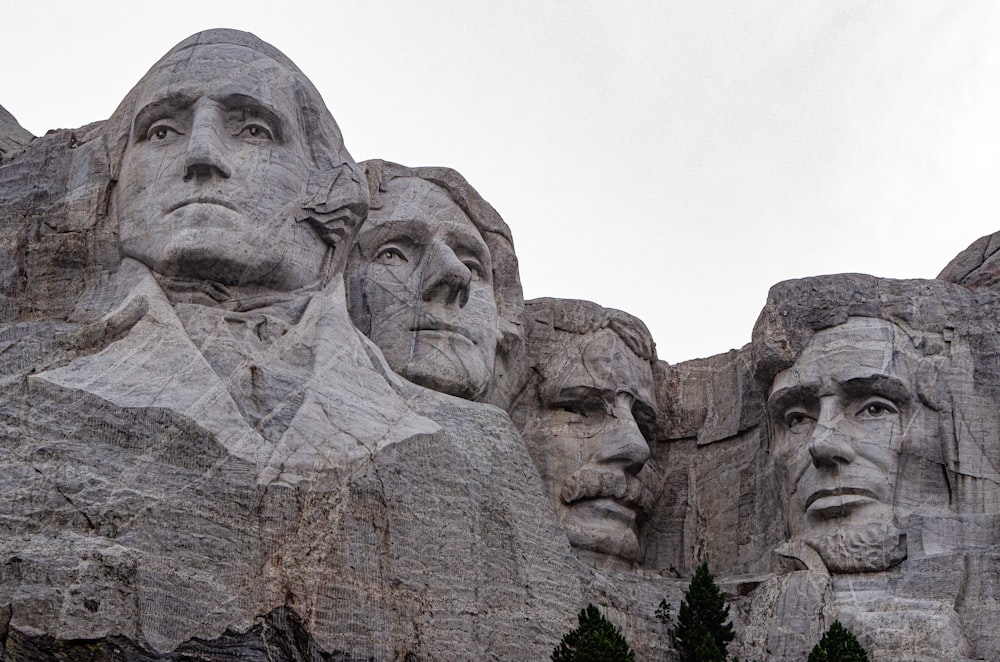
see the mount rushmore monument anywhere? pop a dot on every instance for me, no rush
(261, 402)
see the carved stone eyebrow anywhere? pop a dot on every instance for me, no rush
(881, 385)
(257, 108)
(410, 229)
(786, 397)
(472, 241)
(159, 109)
(580, 393)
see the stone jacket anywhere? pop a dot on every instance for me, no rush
(338, 405)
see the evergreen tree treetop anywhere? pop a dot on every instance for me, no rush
(838, 645)
(703, 630)
(595, 640)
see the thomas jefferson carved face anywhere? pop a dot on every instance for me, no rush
(421, 286)
(590, 439)
(216, 163)
(842, 416)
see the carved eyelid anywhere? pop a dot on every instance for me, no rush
(587, 398)
(157, 124)
(248, 111)
(886, 403)
(404, 245)
(249, 124)
(161, 110)
(781, 403)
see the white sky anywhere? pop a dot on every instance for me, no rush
(671, 159)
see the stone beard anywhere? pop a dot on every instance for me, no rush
(844, 417)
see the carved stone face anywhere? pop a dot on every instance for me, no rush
(842, 415)
(421, 286)
(215, 165)
(589, 441)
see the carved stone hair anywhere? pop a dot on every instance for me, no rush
(929, 312)
(508, 372)
(547, 318)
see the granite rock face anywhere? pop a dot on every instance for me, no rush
(13, 137)
(258, 401)
(433, 281)
(192, 442)
(588, 416)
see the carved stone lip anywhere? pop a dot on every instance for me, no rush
(202, 200)
(612, 508)
(841, 492)
(635, 500)
(437, 325)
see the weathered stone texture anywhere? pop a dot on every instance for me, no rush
(201, 458)
(13, 136)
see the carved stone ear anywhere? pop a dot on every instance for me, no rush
(338, 225)
(932, 380)
(336, 204)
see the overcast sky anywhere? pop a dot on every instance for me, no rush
(671, 159)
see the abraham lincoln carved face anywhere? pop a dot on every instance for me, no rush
(845, 416)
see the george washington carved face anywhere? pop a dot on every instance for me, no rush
(214, 170)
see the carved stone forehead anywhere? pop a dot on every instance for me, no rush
(408, 198)
(860, 348)
(601, 361)
(218, 69)
(222, 37)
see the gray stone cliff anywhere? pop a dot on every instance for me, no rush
(345, 436)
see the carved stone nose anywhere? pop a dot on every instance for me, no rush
(830, 448)
(446, 278)
(623, 443)
(205, 156)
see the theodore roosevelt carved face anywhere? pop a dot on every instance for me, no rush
(590, 428)
(844, 416)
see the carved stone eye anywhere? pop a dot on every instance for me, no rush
(391, 257)
(876, 410)
(255, 131)
(475, 269)
(578, 408)
(795, 419)
(159, 132)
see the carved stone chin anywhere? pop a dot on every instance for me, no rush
(868, 547)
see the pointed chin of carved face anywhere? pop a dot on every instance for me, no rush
(603, 527)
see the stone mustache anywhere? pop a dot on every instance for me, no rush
(260, 401)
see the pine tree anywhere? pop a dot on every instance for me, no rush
(703, 629)
(838, 645)
(596, 640)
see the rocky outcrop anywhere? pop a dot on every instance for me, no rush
(13, 136)
(202, 457)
